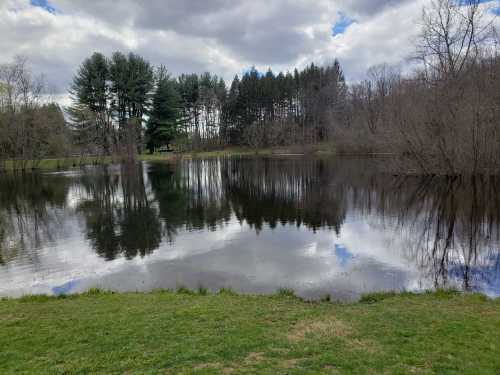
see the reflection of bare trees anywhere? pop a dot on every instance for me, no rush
(31, 210)
(450, 224)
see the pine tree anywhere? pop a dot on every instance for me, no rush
(163, 124)
(90, 92)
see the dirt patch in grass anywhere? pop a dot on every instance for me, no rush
(330, 327)
(289, 363)
(254, 357)
(220, 368)
(366, 346)
(206, 366)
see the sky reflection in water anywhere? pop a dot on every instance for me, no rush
(341, 227)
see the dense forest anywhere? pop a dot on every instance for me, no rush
(441, 117)
(114, 96)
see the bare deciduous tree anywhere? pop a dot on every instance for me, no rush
(452, 32)
(31, 128)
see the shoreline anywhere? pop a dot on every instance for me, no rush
(74, 162)
(52, 164)
(371, 297)
(197, 332)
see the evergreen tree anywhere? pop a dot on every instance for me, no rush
(116, 91)
(90, 92)
(163, 124)
(90, 85)
(140, 83)
(119, 77)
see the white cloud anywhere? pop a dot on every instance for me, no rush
(222, 36)
(387, 37)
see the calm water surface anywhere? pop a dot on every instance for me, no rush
(341, 227)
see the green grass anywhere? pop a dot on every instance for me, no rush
(318, 150)
(286, 292)
(231, 151)
(54, 164)
(65, 163)
(182, 332)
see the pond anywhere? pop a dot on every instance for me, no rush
(340, 227)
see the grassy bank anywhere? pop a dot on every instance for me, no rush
(54, 164)
(318, 150)
(65, 163)
(231, 151)
(185, 332)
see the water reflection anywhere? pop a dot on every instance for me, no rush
(320, 226)
(453, 224)
(31, 209)
(119, 216)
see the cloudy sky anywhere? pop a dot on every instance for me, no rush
(221, 36)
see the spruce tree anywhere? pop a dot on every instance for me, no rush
(163, 123)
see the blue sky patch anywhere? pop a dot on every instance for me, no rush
(343, 255)
(249, 70)
(342, 24)
(65, 288)
(465, 2)
(44, 4)
(495, 9)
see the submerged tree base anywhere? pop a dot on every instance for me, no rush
(196, 332)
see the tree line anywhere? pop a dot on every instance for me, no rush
(442, 117)
(115, 97)
(32, 127)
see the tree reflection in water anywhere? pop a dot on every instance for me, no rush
(31, 211)
(120, 218)
(453, 226)
(450, 225)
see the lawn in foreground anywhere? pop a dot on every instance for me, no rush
(167, 332)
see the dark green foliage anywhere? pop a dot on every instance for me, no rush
(163, 124)
(257, 110)
(35, 298)
(376, 297)
(381, 296)
(284, 108)
(286, 292)
(185, 290)
(107, 91)
(202, 291)
(96, 291)
(326, 298)
(120, 85)
(90, 85)
(139, 85)
(202, 98)
(227, 291)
